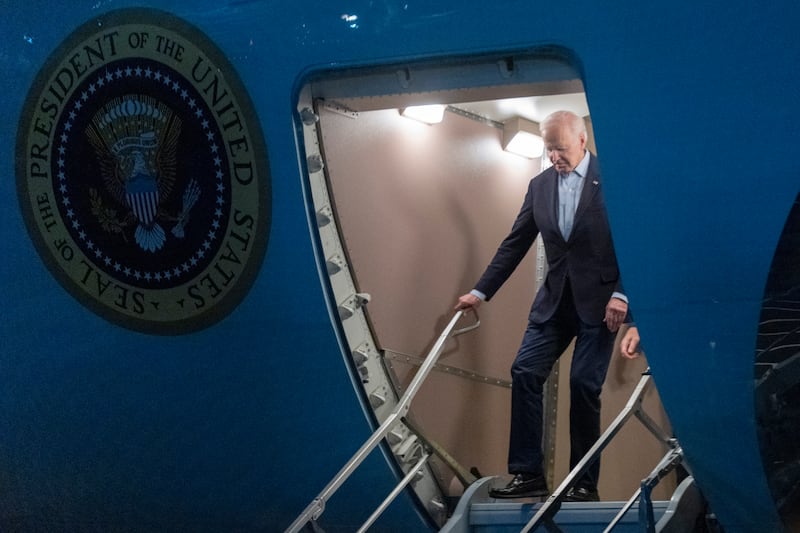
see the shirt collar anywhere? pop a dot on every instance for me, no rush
(580, 169)
(583, 167)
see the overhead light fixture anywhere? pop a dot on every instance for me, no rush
(429, 114)
(522, 137)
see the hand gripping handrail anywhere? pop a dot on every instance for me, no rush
(315, 509)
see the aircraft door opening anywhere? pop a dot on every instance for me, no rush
(408, 215)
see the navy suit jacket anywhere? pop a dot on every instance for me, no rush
(587, 258)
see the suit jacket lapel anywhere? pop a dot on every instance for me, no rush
(591, 185)
(552, 199)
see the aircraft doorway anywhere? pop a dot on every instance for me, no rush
(408, 215)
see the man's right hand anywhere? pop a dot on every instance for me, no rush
(629, 346)
(468, 301)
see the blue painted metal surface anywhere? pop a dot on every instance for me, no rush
(695, 117)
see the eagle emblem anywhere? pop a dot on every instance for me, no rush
(135, 139)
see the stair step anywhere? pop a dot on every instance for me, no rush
(572, 517)
(476, 511)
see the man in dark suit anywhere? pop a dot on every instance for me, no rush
(581, 298)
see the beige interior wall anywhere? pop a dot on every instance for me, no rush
(422, 210)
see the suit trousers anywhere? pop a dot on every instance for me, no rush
(541, 346)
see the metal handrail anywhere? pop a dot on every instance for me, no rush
(633, 407)
(646, 520)
(390, 498)
(315, 509)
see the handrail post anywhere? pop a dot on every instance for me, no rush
(667, 463)
(390, 498)
(647, 522)
(550, 507)
(317, 506)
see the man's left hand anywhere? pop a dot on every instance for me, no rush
(616, 311)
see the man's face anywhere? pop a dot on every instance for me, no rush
(564, 148)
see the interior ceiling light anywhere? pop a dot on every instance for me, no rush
(429, 114)
(522, 137)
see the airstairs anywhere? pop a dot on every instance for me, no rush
(476, 511)
(683, 513)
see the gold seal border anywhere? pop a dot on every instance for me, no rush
(163, 38)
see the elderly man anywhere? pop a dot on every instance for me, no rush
(582, 298)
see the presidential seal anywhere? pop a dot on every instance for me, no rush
(142, 173)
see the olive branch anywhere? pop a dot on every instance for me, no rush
(106, 216)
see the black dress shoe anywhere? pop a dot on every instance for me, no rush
(522, 486)
(582, 494)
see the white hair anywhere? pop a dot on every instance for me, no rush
(568, 118)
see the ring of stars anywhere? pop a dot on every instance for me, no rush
(172, 273)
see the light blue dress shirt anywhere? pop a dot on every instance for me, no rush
(570, 187)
